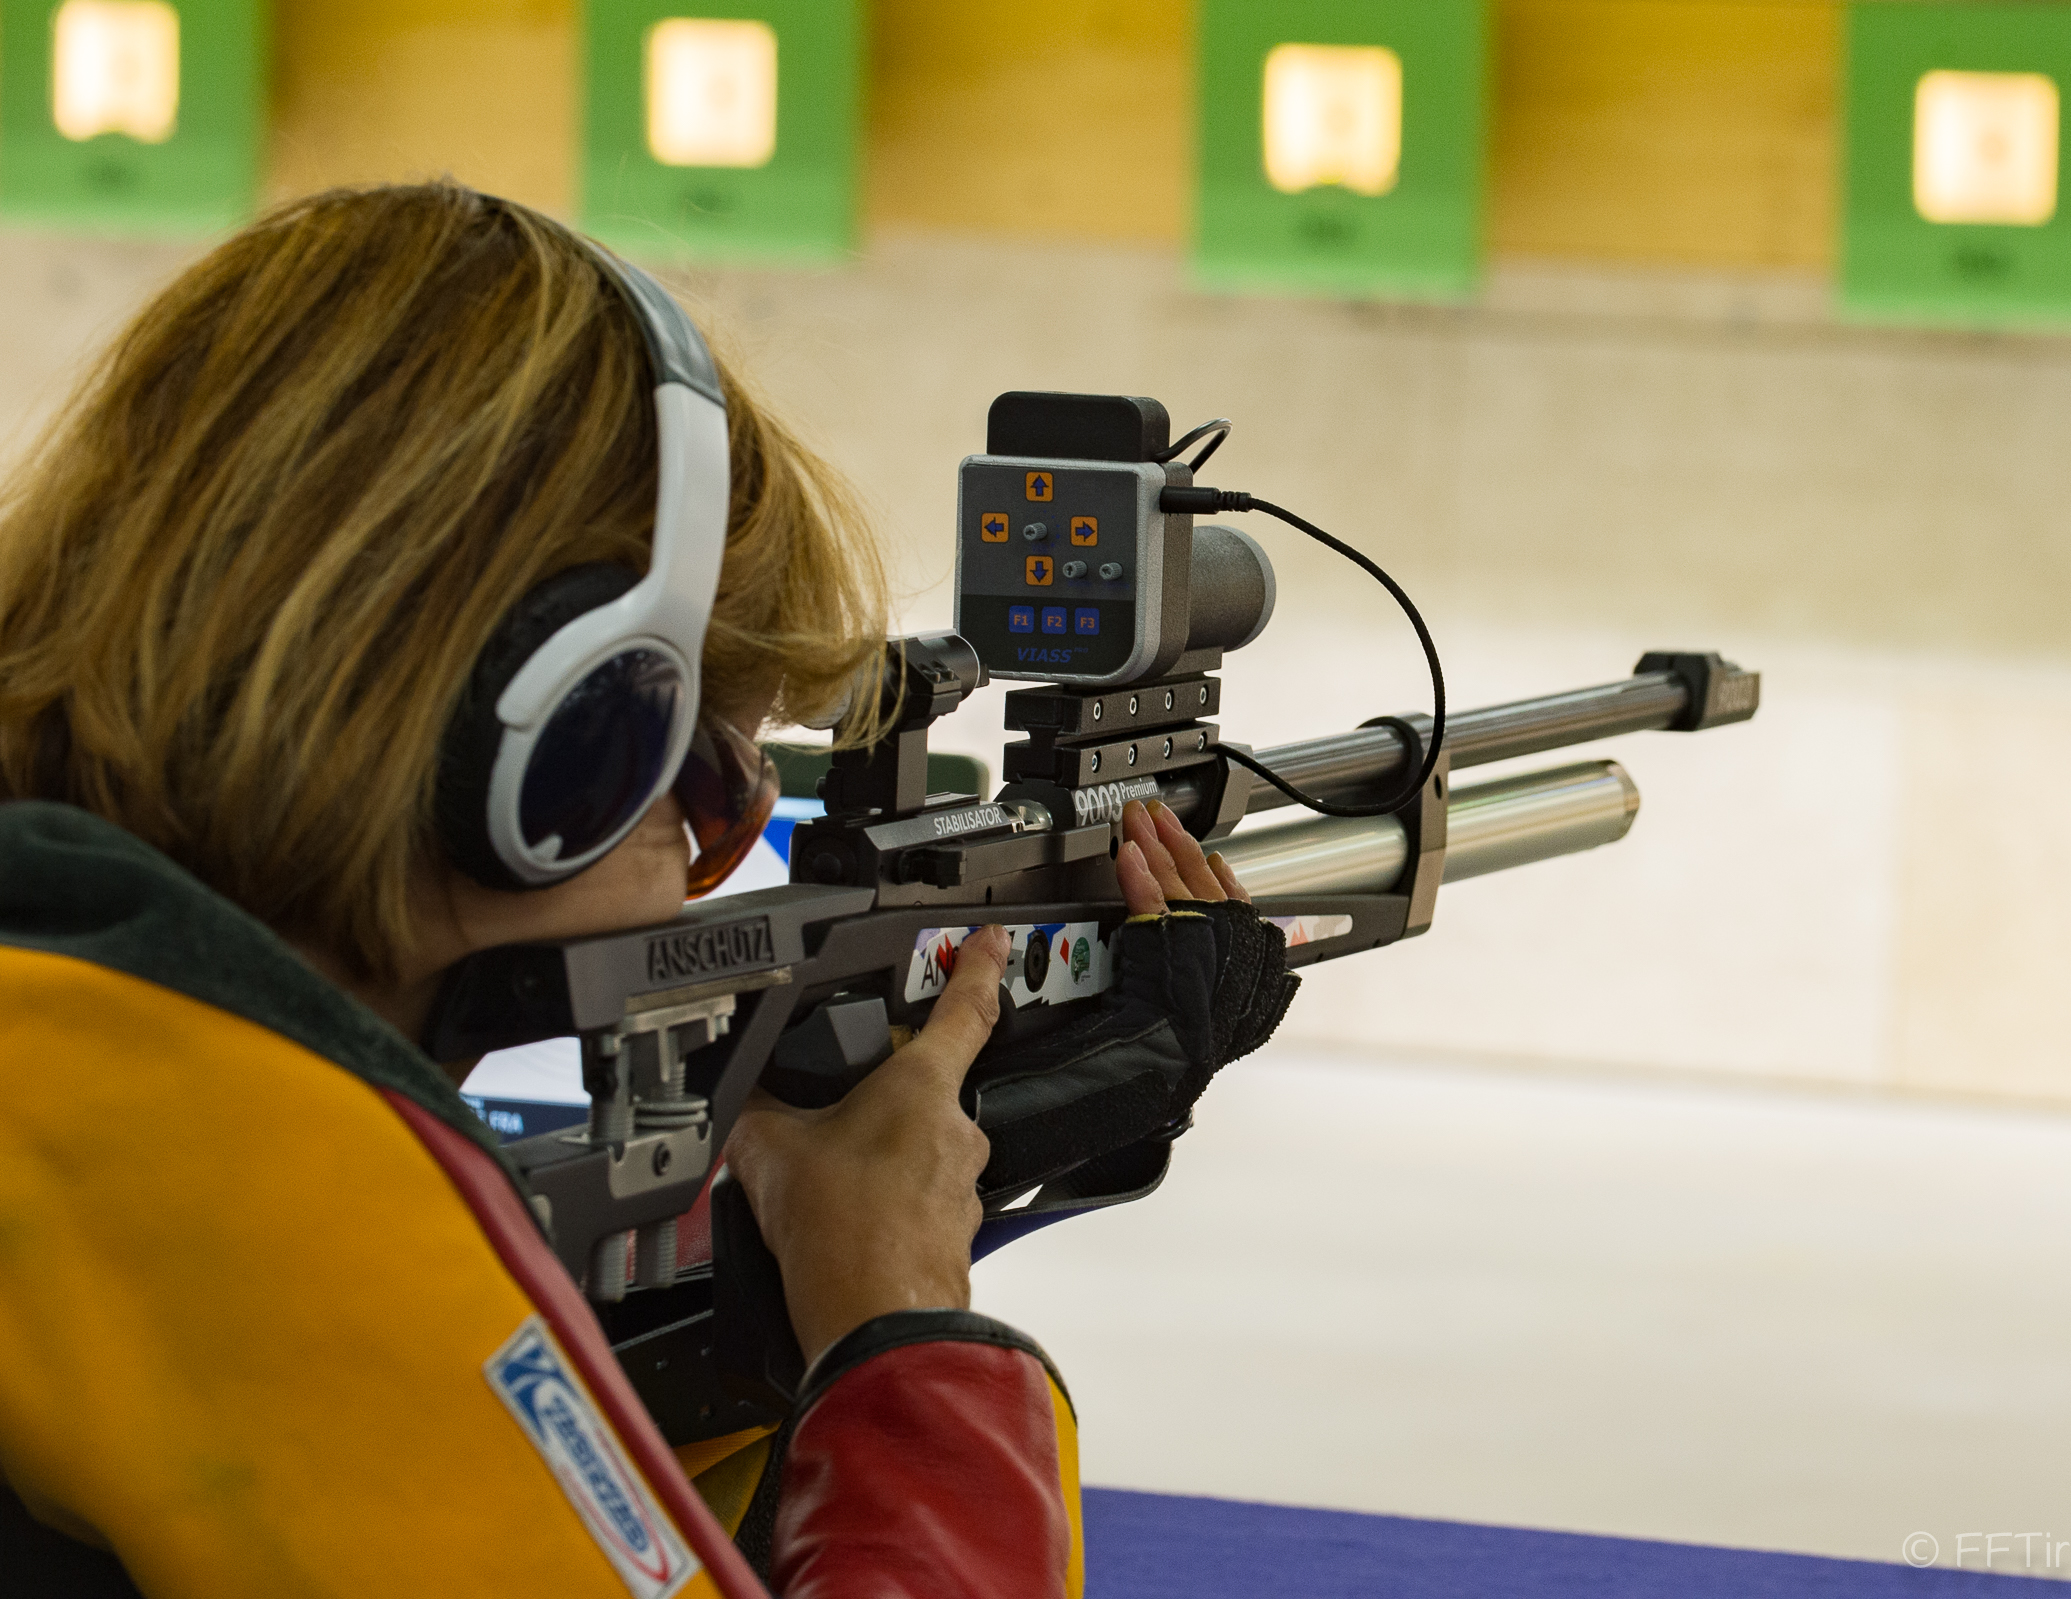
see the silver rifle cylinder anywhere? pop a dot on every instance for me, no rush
(1350, 767)
(1490, 827)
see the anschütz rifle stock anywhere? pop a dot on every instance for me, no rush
(804, 989)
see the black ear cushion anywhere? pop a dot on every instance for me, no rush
(467, 754)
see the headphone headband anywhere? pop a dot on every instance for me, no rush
(580, 712)
(673, 341)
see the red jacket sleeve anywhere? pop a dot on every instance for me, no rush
(935, 1454)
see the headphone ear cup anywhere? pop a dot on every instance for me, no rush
(467, 754)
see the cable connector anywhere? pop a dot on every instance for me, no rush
(1202, 502)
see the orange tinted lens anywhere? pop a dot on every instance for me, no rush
(727, 788)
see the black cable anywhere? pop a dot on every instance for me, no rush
(1220, 427)
(1204, 501)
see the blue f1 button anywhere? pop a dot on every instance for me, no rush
(1085, 620)
(1053, 619)
(1021, 619)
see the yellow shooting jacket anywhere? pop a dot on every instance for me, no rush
(244, 1311)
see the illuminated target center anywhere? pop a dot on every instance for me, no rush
(1333, 115)
(1985, 147)
(115, 68)
(711, 93)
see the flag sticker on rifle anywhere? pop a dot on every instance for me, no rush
(1050, 962)
(1301, 930)
(533, 1378)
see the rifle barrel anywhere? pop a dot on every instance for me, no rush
(1490, 827)
(1347, 767)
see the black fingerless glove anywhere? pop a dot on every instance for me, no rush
(1253, 986)
(1085, 1114)
(1196, 988)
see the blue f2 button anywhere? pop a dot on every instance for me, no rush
(1053, 619)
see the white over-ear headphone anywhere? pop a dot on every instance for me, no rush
(580, 711)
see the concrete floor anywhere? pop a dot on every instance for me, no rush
(1655, 1308)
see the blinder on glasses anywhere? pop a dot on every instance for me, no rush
(727, 788)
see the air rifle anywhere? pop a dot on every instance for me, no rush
(1075, 574)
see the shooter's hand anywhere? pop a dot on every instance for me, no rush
(1200, 980)
(1160, 861)
(869, 1205)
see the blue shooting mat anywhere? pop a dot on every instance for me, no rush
(1164, 1546)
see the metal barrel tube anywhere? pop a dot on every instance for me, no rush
(1490, 827)
(1331, 854)
(1535, 816)
(1345, 768)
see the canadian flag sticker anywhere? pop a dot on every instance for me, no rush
(534, 1380)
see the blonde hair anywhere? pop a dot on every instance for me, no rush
(246, 574)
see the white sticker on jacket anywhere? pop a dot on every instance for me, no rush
(533, 1378)
(1050, 962)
